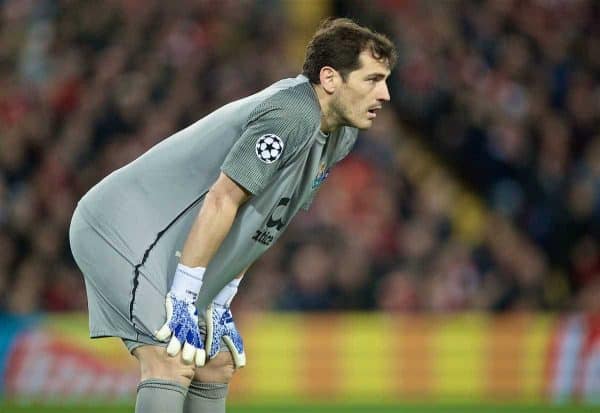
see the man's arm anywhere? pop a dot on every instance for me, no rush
(206, 236)
(214, 221)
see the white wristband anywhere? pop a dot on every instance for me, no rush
(226, 295)
(187, 282)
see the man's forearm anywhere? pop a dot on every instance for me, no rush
(209, 230)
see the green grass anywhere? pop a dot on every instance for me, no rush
(325, 409)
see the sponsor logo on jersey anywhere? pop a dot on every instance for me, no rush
(274, 224)
(321, 176)
(269, 148)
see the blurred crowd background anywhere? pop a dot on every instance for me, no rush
(478, 188)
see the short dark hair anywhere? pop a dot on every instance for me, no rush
(338, 42)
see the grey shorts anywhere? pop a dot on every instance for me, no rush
(109, 282)
(109, 276)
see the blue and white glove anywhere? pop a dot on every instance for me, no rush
(220, 326)
(182, 316)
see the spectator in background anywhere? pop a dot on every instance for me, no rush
(310, 271)
(505, 92)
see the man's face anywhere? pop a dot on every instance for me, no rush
(363, 93)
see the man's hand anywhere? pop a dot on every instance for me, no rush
(182, 325)
(220, 325)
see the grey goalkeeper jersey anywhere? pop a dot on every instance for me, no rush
(269, 143)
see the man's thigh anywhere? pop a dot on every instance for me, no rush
(220, 369)
(121, 300)
(156, 363)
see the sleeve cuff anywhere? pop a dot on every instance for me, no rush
(242, 179)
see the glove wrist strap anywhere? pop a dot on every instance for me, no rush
(226, 295)
(187, 282)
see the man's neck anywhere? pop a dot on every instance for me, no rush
(328, 123)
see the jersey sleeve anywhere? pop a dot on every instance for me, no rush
(268, 141)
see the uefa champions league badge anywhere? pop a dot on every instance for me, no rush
(269, 148)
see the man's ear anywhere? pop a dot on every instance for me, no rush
(328, 77)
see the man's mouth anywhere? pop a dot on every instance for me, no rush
(373, 111)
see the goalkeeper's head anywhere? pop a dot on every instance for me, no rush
(348, 65)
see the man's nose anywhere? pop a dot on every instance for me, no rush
(384, 93)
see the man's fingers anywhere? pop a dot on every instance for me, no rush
(191, 354)
(169, 307)
(200, 357)
(212, 347)
(209, 330)
(164, 332)
(188, 353)
(239, 359)
(173, 347)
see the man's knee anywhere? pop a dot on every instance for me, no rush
(155, 363)
(217, 370)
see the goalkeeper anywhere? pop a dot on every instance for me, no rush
(164, 241)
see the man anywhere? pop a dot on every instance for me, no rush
(185, 220)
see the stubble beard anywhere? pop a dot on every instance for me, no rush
(340, 112)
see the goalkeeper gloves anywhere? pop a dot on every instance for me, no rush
(182, 316)
(220, 326)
